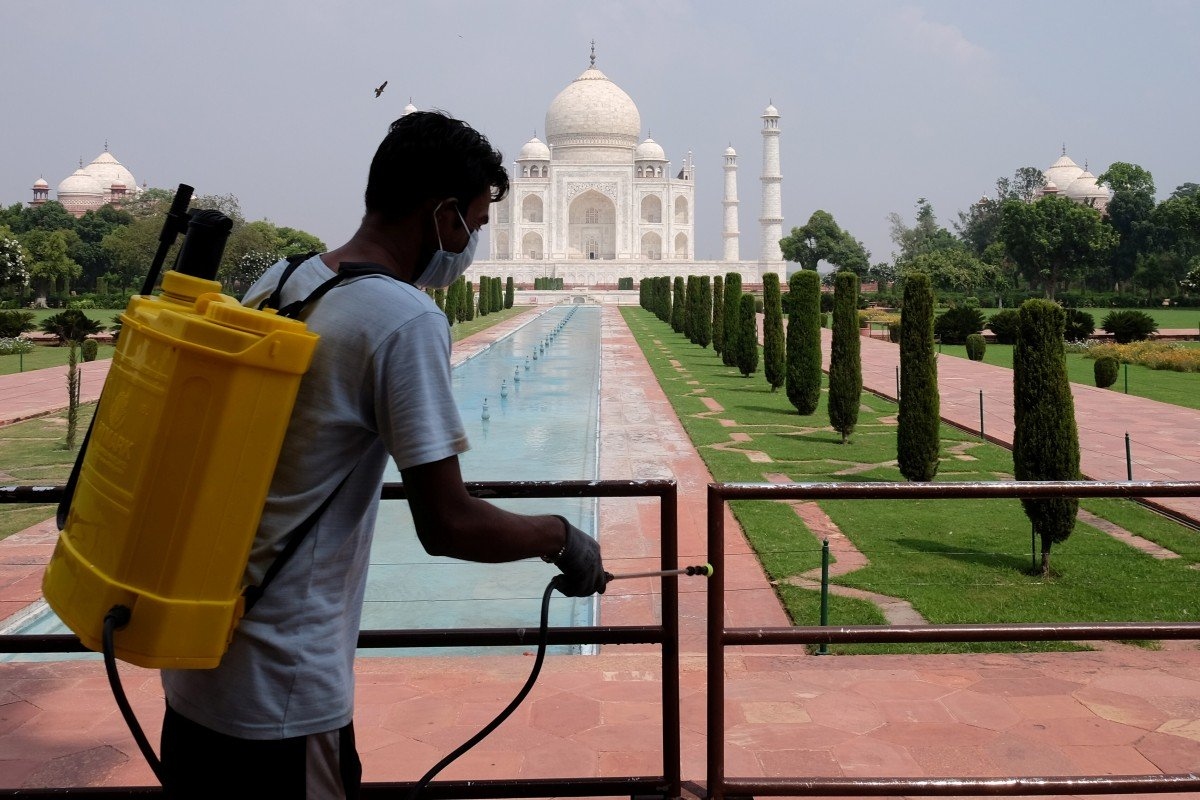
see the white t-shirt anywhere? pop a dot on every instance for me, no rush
(379, 385)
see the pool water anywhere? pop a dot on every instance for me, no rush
(541, 388)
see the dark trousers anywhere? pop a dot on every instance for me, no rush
(198, 762)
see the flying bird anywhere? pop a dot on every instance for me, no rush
(379, 89)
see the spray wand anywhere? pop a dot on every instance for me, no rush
(543, 635)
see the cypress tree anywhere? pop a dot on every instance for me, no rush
(497, 295)
(677, 305)
(510, 292)
(468, 301)
(704, 313)
(747, 337)
(451, 303)
(485, 295)
(691, 301)
(919, 425)
(664, 299)
(718, 316)
(439, 297)
(774, 367)
(733, 297)
(1045, 439)
(845, 363)
(804, 341)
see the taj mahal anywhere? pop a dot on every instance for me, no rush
(596, 202)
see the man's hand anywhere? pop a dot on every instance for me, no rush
(583, 571)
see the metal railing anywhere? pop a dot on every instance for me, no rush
(666, 635)
(720, 637)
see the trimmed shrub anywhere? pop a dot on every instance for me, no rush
(691, 299)
(957, 323)
(718, 314)
(893, 332)
(1045, 438)
(1005, 324)
(845, 361)
(919, 420)
(510, 291)
(976, 347)
(747, 337)
(89, 349)
(14, 323)
(1129, 326)
(733, 298)
(704, 313)
(803, 351)
(1106, 370)
(1078, 325)
(678, 305)
(774, 366)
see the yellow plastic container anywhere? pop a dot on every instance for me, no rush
(172, 485)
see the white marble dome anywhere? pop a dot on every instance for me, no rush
(107, 171)
(80, 183)
(592, 110)
(771, 111)
(1063, 173)
(729, 151)
(534, 150)
(650, 150)
(1082, 186)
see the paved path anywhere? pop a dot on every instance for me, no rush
(1121, 711)
(1164, 439)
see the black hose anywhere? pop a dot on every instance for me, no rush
(118, 617)
(543, 638)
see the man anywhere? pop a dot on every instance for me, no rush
(274, 718)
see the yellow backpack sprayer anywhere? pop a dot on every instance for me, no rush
(168, 489)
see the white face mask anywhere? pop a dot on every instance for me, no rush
(444, 267)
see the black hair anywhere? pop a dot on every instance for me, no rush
(429, 154)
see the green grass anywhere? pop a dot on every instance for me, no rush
(461, 330)
(954, 560)
(34, 453)
(1163, 385)
(1167, 318)
(44, 355)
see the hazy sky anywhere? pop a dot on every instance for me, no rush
(881, 102)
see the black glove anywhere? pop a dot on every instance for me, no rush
(583, 571)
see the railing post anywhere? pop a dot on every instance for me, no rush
(823, 650)
(981, 436)
(716, 645)
(897, 384)
(1128, 459)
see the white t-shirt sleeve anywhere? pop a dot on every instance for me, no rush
(416, 415)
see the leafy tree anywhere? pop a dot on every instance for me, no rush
(774, 357)
(718, 314)
(1054, 239)
(48, 260)
(978, 225)
(955, 270)
(956, 323)
(919, 422)
(926, 236)
(250, 267)
(804, 341)
(1122, 176)
(1174, 238)
(678, 304)
(1129, 214)
(248, 237)
(1045, 438)
(1185, 190)
(747, 337)
(131, 251)
(822, 239)
(845, 363)
(49, 216)
(70, 326)
(293, 242)
(704, 310)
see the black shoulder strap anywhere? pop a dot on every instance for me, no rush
(255, 592)
(346, 271)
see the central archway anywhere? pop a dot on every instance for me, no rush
(592, 227)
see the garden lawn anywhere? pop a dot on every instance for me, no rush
(956, 561)
(1163, 385)
(33, 453)
(1167, 318)
(43, 356)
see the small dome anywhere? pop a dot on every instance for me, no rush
(729, 151)
(771, 111)
(534, 150)
(408, 109)
(1049, 187)
(1063, 172)
(40, 183)
(80, 183)
(649, 150)
(1081, 187)
(592, 110)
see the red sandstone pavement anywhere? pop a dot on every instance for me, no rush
(1120, 711)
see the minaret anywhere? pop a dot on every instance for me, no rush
(731, 205)
(772, 206)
